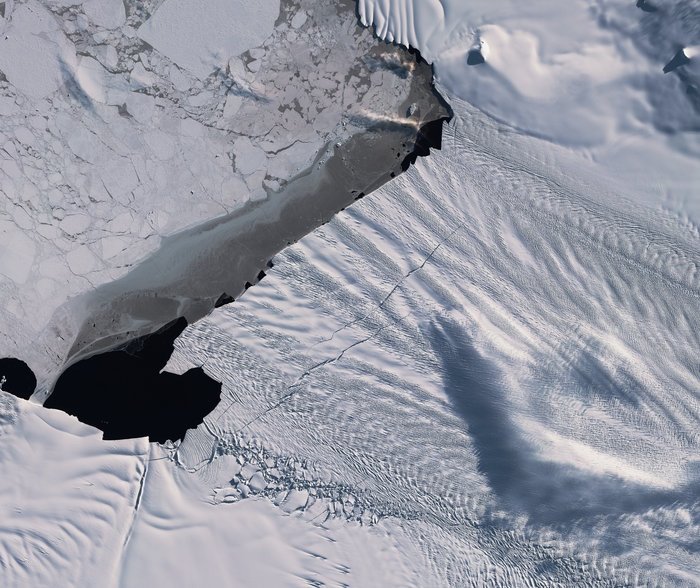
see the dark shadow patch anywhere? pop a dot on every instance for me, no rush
(417, 55)
(123, 110)
(546, 491)
(73, 87)
(429, 136)
(125, 394)
(679, 59)
(390, 62)
(223, 300)
(225, 79)
(472, 385)
(594, 379)
(474, 57)
(645, 6)
(16, 377)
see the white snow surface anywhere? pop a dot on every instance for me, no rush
(483, 374)
(497, 352)
(585, 75)
(208, 29)
(66, 496)
(79, 511)
(185, 538)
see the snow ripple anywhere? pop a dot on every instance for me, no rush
(502, 359)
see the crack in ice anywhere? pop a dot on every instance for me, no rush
(292, 389)
(391, 292)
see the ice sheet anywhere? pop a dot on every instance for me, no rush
(585, 76)
(496, 350)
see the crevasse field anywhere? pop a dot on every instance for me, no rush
(484, 373)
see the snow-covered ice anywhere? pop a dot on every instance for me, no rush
(67, 497)
(482, 374)
(495, 352)
(183, 538)
(587, 76)
(79, 511)
(208, 29)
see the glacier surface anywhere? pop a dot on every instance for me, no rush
(585, 75)
(497, 351)
(484, 373)
(499, 361)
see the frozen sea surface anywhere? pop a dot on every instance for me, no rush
(119, 133)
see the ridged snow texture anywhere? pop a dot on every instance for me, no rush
(406, 22)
